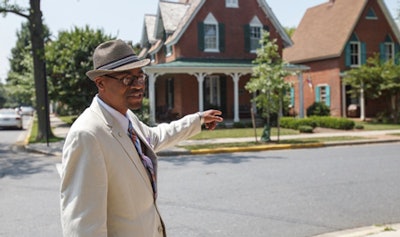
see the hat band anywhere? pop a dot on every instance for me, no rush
(120, 62)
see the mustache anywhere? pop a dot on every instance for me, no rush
(134, 91)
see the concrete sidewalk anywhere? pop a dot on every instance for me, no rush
(60, 129)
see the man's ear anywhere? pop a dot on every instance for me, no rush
(99, 83)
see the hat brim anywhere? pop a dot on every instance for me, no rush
(92, 74)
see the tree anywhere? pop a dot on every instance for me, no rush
(33, 14)
(268, 80)
(377, 78)
(69, 57)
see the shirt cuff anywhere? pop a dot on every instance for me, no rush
(201, 115)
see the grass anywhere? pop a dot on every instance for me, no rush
(290, 141)
(371, 126)
(33, 135)
(240, 132)
(68, 119)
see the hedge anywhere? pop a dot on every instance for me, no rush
(317, 121)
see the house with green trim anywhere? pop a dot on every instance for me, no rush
(333, 38)
(201, 55)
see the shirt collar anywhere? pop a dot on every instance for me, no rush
(122, 120)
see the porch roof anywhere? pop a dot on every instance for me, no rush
(226, 66)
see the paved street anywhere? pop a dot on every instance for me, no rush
(280, 193)
(284, 193)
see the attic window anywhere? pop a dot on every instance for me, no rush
(255, 34)
(232, 3)
(211, 34)
(371, 15)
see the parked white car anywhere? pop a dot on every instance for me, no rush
(27, 110)
(9, 118)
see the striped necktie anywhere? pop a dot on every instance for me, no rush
(147, 163)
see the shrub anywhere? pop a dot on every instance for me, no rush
(317, 121)
(306, 129)
(359, 126)
(318, 109)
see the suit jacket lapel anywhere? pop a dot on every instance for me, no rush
(122, 137)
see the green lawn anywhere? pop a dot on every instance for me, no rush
(240, 132)
(369, 126)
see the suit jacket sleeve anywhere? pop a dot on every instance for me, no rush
(169, 134)
(83, 187)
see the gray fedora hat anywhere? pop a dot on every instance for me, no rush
(114, 56)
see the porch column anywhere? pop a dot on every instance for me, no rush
(236, 78)
(301, 95)
(344, 109)
(200, 78)
(152, 97)
(362, 102)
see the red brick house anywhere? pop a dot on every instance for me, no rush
(202, 53)
(334, 37)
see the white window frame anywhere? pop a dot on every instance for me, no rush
(355, 56)
(214, 90)
(232, 3)
(211, 42)
(389, 51)
(256, 28)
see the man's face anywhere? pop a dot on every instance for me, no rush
(123, 90)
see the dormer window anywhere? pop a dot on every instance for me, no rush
(355, 52)
(211, 34)
(232, 3)
(387, 49)
(253, 34)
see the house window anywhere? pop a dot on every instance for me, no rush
(211, 34)
(212, 91)
(152, 58)
(253, 34)
(210, 37)
(292, 98)
(355, 54)
(387, 49)
(255, 37)
(232, 3)
(168, 48)
(323, 94)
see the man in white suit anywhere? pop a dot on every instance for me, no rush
(109, 165)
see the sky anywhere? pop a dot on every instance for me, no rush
(124, 18)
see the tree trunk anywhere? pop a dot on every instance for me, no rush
(39, 69)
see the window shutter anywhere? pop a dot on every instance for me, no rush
(266, 28)
(200, 36)
(382, 52)
(328, 95)
(363, 53)
(292, 96)
(221, 29)
(347, 55)
(246, 30)
(317, 94)
(396, 53)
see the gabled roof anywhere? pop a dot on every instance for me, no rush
(148, 29)
(176, 17)
(325, 29)
(172, 13)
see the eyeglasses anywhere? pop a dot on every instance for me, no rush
(128, 80)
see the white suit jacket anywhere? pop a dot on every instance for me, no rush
(105, 190)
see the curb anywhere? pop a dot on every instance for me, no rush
(381, 230)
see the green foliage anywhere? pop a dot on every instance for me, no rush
(295, 123)
(306, 129)
(318, 121)
(20, 82)
(69, 57)
(377, 78)
(268, 79)
(318, 109)
(144, 112)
